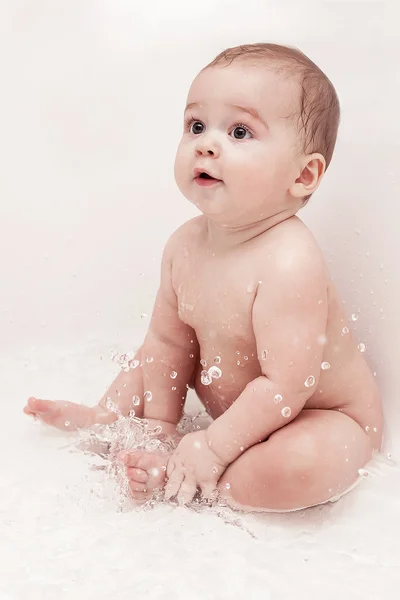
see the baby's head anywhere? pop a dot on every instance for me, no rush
(263, 120)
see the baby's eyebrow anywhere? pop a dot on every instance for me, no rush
(251, 111)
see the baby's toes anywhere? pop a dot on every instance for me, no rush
(138, 475)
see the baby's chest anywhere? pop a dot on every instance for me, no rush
(216, 300)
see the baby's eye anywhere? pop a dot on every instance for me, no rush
(240, 132)
(196, 127)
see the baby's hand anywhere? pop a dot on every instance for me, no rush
(193, 465)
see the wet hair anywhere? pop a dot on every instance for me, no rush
(318, 114)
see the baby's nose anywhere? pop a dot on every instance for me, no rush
(207, 147)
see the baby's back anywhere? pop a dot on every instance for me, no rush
(216, 289)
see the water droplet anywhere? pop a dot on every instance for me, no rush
(246, 358)
(264, 355)
(319, 301)
(238, 362)
(174, 375)
(228, 486)
(173, 389)
(148, 396)
(389, 456)
(237, 352)
(133, 364)
(278, 398)
(367, 428)
(310, 381)
(191, 355)
(143, 315)
(375, 430)
(345, 330)
(362, 347)
(205, 378)
(110, 405)
(215, 372)
(217, 360)
(203, 362)
(149, 359)
(363, 472)
(241, 448)
(135, 400)
(325, 366)
(215, 470)
(354, 317)
(67, 423)
(118, 393)
(286, 412)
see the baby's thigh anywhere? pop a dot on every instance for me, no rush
(312, 459)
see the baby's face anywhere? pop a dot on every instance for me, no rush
(237, 131)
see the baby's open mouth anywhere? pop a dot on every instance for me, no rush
(205, 179)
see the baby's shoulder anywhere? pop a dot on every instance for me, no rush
(185, 235)
(293, 247)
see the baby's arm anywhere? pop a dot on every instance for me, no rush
(169, 347)
(289, 320)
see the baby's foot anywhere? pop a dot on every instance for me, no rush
(67, 416)
(145, 472)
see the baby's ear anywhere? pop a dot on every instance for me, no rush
(312, 170)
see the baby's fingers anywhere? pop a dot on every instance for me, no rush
(174, 483)
(187, 491)
(209, 492)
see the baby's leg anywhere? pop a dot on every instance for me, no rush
(312, 459)
(69, 416)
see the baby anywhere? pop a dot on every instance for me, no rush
(246, 312)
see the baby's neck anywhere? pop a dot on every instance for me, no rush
(225, 237)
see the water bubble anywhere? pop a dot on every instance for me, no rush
(174, 375)
(215, 372)
(246, 358)
(286, 412)
(148, 396)
(149, 359)
(362, 347)
(325, 366)
(191, 355)
(67, 423)
(345, 330)
(310, 381)
(173, 389)
(375, 430)
(164, 468)
(278, 398)
(228, 486)
(354, 317)
(110, 405)
(363, 472)
(217, 360)
(203, 362)
(238, 362)
(135, 400)
(205, 378)
(237, 352)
